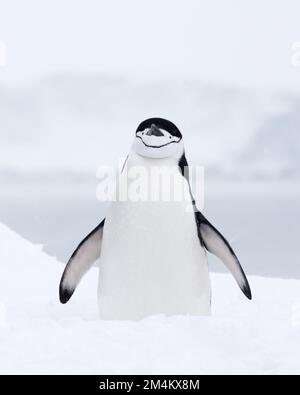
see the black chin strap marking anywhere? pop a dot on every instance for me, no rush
(159, 146)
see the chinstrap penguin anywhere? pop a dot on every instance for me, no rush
(153, 254)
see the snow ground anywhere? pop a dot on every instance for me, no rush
(38, 335)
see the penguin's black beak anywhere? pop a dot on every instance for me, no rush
(154, 131)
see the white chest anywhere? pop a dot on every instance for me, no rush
(152, 261)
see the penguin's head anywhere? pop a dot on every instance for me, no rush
(158, 138)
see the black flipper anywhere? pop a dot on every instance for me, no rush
(80, 262)
(211, 239)
(216, 243)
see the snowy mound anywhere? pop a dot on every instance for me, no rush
(26, 272)
(38, 335)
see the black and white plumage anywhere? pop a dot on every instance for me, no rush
(85, 255)
(153, 253)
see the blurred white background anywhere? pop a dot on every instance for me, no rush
(80, 76)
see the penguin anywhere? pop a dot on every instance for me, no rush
(152, 253)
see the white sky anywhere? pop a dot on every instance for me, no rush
(244, 42)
